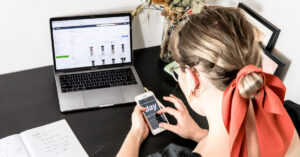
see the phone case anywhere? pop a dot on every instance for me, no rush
(158, 130)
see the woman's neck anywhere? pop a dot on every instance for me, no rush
(210, 101)
(217, 138)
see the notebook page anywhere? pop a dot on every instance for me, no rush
(13, 146)
(55, 139)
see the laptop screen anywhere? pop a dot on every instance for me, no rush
(91, 42)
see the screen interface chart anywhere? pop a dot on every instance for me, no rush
(152, 107)
(91, 42)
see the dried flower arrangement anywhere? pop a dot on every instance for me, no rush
(174, 11)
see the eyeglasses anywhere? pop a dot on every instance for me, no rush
(175, 70)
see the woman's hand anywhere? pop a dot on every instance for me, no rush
(139, 126)
(186, 127)
(137, 134)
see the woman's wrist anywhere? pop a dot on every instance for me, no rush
(199, 134)
(136, 135)
(131, 144)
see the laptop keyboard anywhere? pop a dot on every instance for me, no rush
(94, 80)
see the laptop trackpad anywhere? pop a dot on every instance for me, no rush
(101, 97)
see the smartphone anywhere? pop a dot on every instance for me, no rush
(149, 101)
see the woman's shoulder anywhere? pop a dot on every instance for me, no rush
(294, 148)
(208, 146)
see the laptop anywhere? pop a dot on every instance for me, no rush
(93, 61)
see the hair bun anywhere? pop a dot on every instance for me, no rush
(250, 84)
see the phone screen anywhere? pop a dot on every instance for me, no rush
(152, 107)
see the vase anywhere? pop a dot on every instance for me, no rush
(165, 54)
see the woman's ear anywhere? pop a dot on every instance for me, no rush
(192, 77)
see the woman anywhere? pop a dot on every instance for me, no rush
(222, 79)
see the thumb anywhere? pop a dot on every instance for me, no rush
(170, 127)
(140, 108)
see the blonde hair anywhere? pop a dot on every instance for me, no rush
(221, 41)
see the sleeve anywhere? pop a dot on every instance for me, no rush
(173, 150)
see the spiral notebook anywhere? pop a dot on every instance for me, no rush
(51, 140)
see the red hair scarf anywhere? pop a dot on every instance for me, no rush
(273, 124)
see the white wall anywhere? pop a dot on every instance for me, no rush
(25, 35)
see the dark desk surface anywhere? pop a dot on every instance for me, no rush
(28, 99)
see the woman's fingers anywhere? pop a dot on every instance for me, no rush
(139, 108)
(178, 104)
(168, 110)
(169, 127)
(179, 100)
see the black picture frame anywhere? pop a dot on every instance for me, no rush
(267, 49)
(275, 31)
(275, 60)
